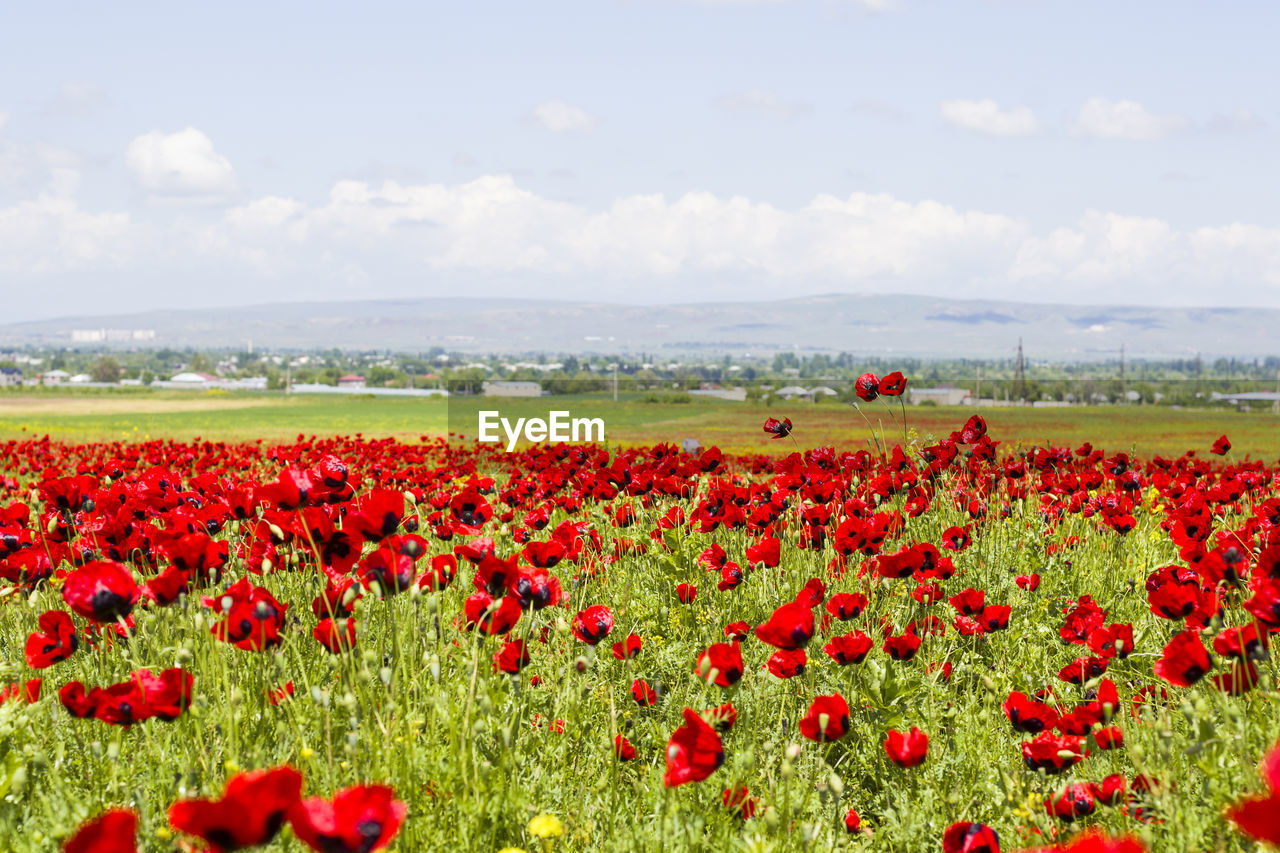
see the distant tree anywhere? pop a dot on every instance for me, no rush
(381, 375)
(105, 369)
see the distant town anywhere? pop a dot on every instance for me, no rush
(1246, 384)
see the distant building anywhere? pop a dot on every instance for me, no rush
(54, 377)
(351, 380)
(793, 392)
(824, 391)
(736, 395)
(10, 376)
(943, 396)
(193, 380)
(511, 389)
(80, 379)
(90, 336)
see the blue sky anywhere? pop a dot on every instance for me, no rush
(153, 155)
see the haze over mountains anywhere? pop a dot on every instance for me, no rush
(861, 324)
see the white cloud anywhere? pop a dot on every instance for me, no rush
(986, 116)
(492, 227)
(4, 119)
(52, 234)
(1106, 119)
(182, 165)
(560, 117)
(763, 102)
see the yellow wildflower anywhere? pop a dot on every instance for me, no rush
(546, 826)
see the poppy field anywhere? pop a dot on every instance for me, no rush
(921, 642)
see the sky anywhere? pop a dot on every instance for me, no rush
(160, 155)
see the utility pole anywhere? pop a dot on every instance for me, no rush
(615, 382)
(1020, 379)
(288, 375)
(977, 394)
(1123, 397)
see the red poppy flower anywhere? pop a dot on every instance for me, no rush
(113, 831)
(892, 384)
(491, 617)
(731, 577)
(722, 718)
(1052, 754)
(1074, 801)
(787, 663)
(848, 648)
(1110, 737)
(846, 605)
(252, 809)
(827, 718)
(1259, 817)
(766, 552)
(336, 635)
(1110, 792)
(544, 555)
(740, 802)
(1029, 715)
(779, 428)
(790, 627)
(644, 695)
(973, 430)
(253, 617)
(969, 602)
(469, 512)
(1221, 447)
(965, 837)
(357, 820)
(512, 657)
(593, 624)
(694, 751)
(721, 663)
(1184, 660)
(867, 387)
(686, 593)
(623, 749)
(380, 515)
(1029, 582)
(1094, 841)
(536, 589)
(1083, 669)
(909, 750)
(56, 641)
(389, 569)
(103, 592)
(852, 820)
(629, 648)
(440, 573)
(902, 647)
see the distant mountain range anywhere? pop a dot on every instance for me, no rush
(861, 324)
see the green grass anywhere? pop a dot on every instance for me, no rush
(418, 706)
(142, 414)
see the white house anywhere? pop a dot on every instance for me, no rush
(942, 396)
(511, 389)
(793, 392)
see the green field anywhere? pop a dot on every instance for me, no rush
(76, 416)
